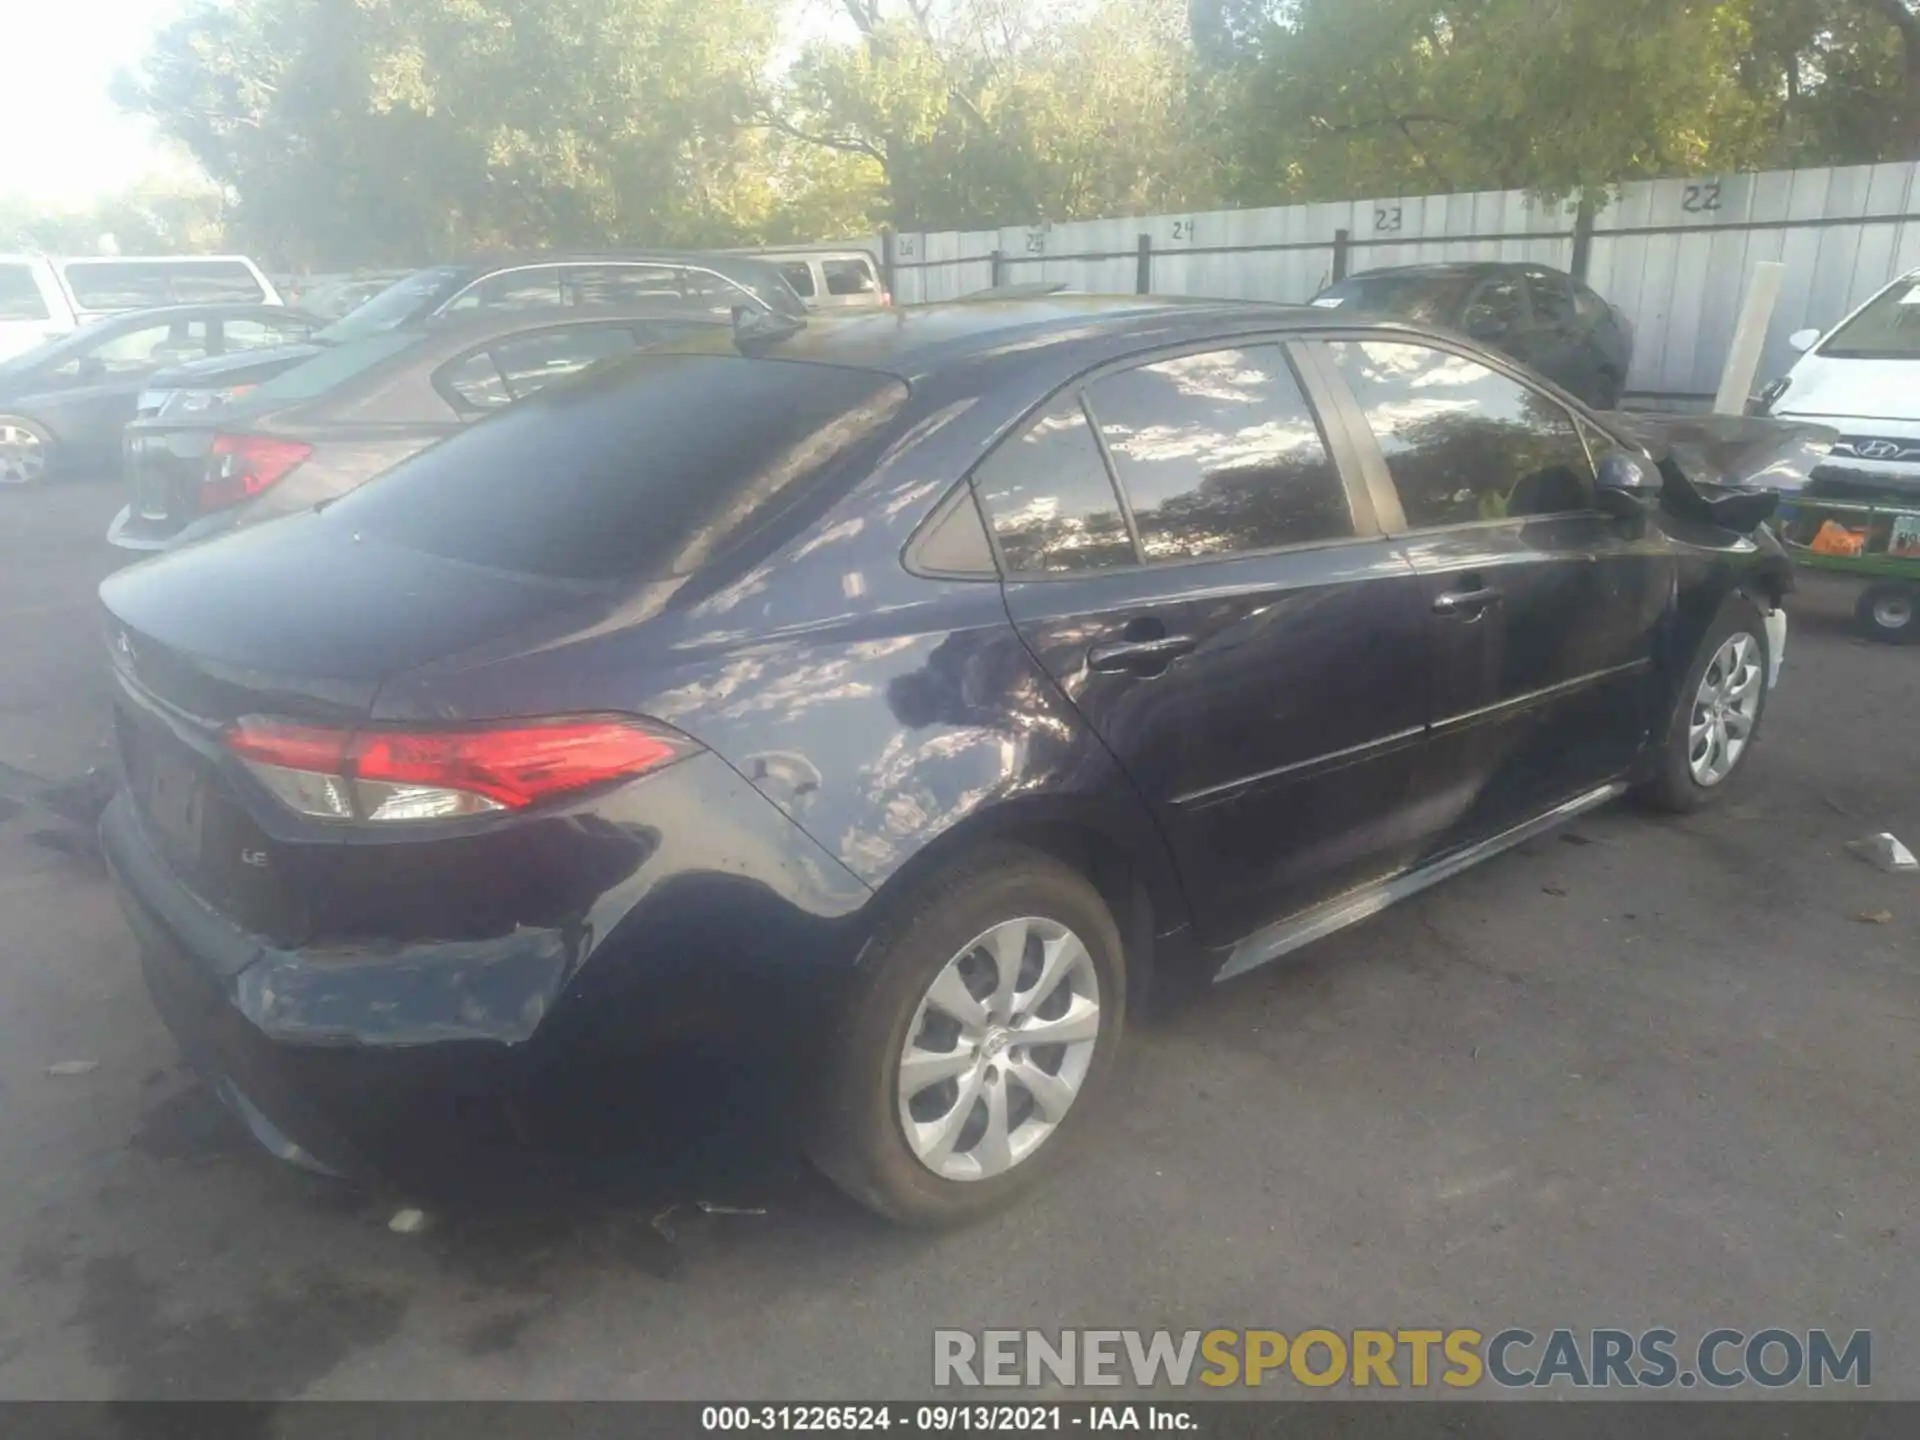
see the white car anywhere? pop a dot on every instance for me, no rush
(43, 297)
(1863, 379)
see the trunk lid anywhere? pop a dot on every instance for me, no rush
(202, 637)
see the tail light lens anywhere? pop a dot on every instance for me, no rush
(389, 776)
(241, 466)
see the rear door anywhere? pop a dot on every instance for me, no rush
(1229, 621)
(1541, 612)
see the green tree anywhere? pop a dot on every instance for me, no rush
(390, 130)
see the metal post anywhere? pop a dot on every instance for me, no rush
(1143, 266)
(1749, 339)
(999, 267)
(889, 260)
(1342, 239)
(1582, 237)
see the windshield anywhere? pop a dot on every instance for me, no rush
(417, 295)
(649, 470)
(1887, 329)
(1433, 298)
(330, 367)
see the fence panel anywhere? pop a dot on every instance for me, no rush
(1674, 255)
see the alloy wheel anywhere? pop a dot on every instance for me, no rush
(1893, 612)
(1725, 709)
(999, 1049)
(23, 459)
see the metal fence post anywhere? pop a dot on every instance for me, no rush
(1582, 238)
(1143, 266)
(1342, 240)
(999, 267)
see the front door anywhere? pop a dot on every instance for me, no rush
(1235, 629)
(1541, 611)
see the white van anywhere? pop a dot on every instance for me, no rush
(830, 279)
(33, 307)
(44, 296)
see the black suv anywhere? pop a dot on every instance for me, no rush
(1541, 317)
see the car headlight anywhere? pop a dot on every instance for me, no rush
(199, 402)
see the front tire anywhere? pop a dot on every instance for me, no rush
(982, 1029)
(1886, 612)
(26, 451)
(1722, 701)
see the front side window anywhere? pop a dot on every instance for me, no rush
(1464, 443)
(1496, 310)
(1552, 300)
(1051, 500)
(1219, 454)
(20, 297)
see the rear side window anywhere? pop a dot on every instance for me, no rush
(648, 471)
(1552, 298)
(1219, 454)
(243, 334)
(20, 297)
(849, 277)
(138, 284)
(800, 276)
(1465, 443)
(1050, 499)
(1496, 310)
(512, 369)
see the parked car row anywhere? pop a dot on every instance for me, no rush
(885, 704)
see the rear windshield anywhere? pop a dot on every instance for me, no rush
(644, 472)
(331, 367)
(141, 284)
(1434, 299)
(1888, 329)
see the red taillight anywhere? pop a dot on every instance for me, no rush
(241, 466)
(389, 775)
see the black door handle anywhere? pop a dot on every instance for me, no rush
(1467, 603)
(1139, 656)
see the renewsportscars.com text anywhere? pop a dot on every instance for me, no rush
(1511, 1358)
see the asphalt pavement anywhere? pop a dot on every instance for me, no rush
(1645, 1071)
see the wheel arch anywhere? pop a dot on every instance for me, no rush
(1122, 857)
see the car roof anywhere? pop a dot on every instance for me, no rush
(918, 339)
(460, 327)
(1456, 269)
(134, 319)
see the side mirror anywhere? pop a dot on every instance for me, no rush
(1625, 483)
(1804, 340)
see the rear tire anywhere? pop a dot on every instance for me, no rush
(1886, 612)
(26, 452)
(1716, 718)
(982, 1116)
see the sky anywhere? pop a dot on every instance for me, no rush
(62, 141)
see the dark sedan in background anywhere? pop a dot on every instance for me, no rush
(62, 404)
(1542, 317)
(357, 408)
(899, 698)
(687, 280)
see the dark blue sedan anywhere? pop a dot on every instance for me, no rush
(900, 699)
